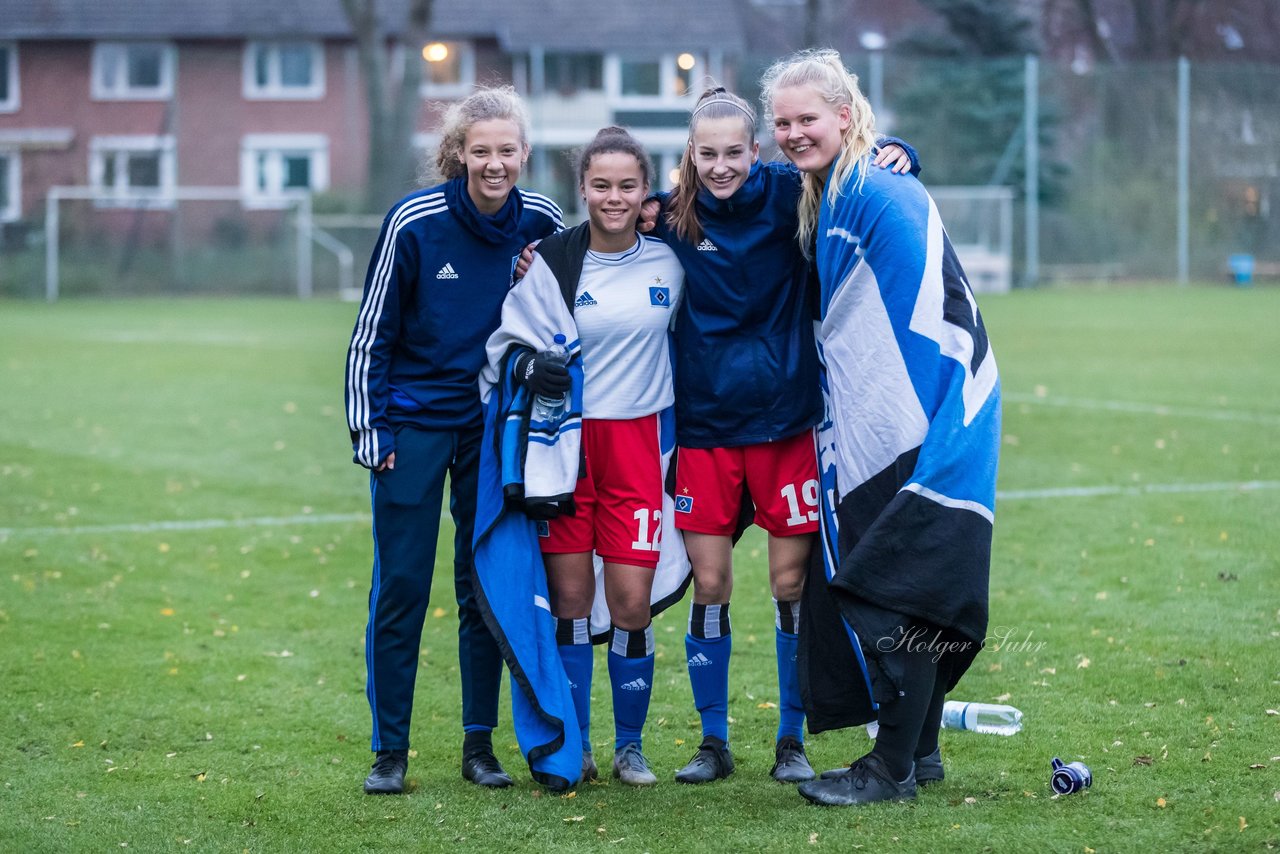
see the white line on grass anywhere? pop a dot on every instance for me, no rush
(1146, 408)
(344, 518)
(1142, 489)
(193, 525)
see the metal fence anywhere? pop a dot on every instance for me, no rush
(1139, 171)
(1118, 172)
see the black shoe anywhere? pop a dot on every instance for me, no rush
(387, 776)
(483, 769)
(713, 761)
(791, 765)
(866, 781)
(929, 768)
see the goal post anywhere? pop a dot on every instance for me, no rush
(213, 239)
(979, 222)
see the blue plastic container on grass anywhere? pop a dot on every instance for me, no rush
(1241, 266)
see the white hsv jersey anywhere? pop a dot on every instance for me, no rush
(623, 309)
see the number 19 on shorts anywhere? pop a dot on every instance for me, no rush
(809, 494)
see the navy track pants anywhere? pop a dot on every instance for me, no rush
(406, 523)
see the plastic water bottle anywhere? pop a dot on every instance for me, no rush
(989, 718)
(552, 409)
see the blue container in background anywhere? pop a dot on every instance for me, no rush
(1241, 266)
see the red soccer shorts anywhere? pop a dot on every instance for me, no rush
(781, 477)
(619, 501)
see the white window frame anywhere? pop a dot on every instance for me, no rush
(12, 102)
(120, 194)
(466, 72)
(666, 96)
(119, 89)
(276, 146)
(12, 178)
(275, 89)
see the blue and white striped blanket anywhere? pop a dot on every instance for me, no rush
(909, 447)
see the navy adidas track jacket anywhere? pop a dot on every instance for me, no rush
(746, 365)
(746, 368)
(432, 296)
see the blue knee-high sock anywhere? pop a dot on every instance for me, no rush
(631, 676)
(708, 646)
(576, 654)
(790, 708)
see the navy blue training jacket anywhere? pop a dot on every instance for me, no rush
(432, 296)
(746, 365)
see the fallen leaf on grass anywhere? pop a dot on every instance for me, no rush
(766, 705)
(1143, 760)
(78, 744)
(971, 800)
(1273, 712)
(1257, 766)
(813, 839)
(1161, 802)
(438, 613)
(1243, 824)
(569, 795)
(574, 818)
(1083, 663)
(166, 612)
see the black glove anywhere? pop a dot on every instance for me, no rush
(543, 373)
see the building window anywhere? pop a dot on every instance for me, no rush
(133, 171)
(283, 70)
(640, 77)
(276, 168)
(449, 68)
(141, 71)
(666, 78)
(8, 77)
(570, 73)
(10, 186)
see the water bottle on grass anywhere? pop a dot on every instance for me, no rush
(552, 409)
(990, 718)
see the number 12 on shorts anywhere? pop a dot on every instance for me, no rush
(646, 541)
(809, 492)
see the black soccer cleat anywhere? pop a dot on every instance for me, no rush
(387, 775)
(928, 769)
(713, 761)
(483, 769)
(866, 781)
(791, 765)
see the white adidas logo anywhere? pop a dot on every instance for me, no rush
(699, 660)
(707, 246)
(447, 272)
(585, 299)
(635, 685)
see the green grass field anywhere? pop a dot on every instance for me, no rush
(185, 554)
